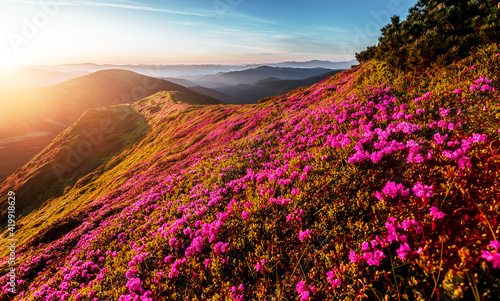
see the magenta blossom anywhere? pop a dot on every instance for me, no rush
(436, 214)
(333, 280)
(403, 250)
(422, 191)
(259, 267)
(303, 290)
(303, 235)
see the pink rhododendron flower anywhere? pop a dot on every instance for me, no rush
(353, 257)
(303, 235)
(208, 261)
(365, 246)
(259, 266)
(373, 258)
(390, 189)
(487, 255)
(495, 244)
(333, 280)
(303, 290)
(439, 139)
(494, 257)
(436, 214)
(403, 250)
(444, 112)
(422, 191)
(134, 286)
(236, 292)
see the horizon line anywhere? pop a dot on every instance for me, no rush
(185, 64)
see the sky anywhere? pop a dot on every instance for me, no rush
(51, 32)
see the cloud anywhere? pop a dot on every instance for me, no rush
(252, 19)
(227, 13)
(114, 4)
(332, 29)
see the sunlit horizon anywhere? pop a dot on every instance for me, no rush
(123, 32)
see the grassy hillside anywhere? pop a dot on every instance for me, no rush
(370, 185)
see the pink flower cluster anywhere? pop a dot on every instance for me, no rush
(220, 248)
(392, 189)
(492, 256)
(436, 214)
(304, 291)
(304, 235)
(482, 85)
(422, 191)
(137, 293)
(333, 279)
(260, 266)
(238, 294)
(373, 255)
(174, 270)
(298, 213)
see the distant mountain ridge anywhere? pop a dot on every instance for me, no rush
(247, 94)
(254, 75)
(189, 70)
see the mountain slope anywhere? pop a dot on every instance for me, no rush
(44, 112)
(366, 185)
(225, 98)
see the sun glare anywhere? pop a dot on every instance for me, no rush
(7, 64)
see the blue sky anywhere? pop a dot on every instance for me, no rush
(50, 32)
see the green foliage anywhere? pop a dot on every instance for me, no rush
(436, 33)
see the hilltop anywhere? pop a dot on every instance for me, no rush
(366, 184)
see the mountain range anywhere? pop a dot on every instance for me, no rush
(192, 70)
(254, 75)
(247, 94)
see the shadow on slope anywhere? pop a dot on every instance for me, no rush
(76, 156)
(101, 152)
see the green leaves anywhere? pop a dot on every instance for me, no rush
(435, 33)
